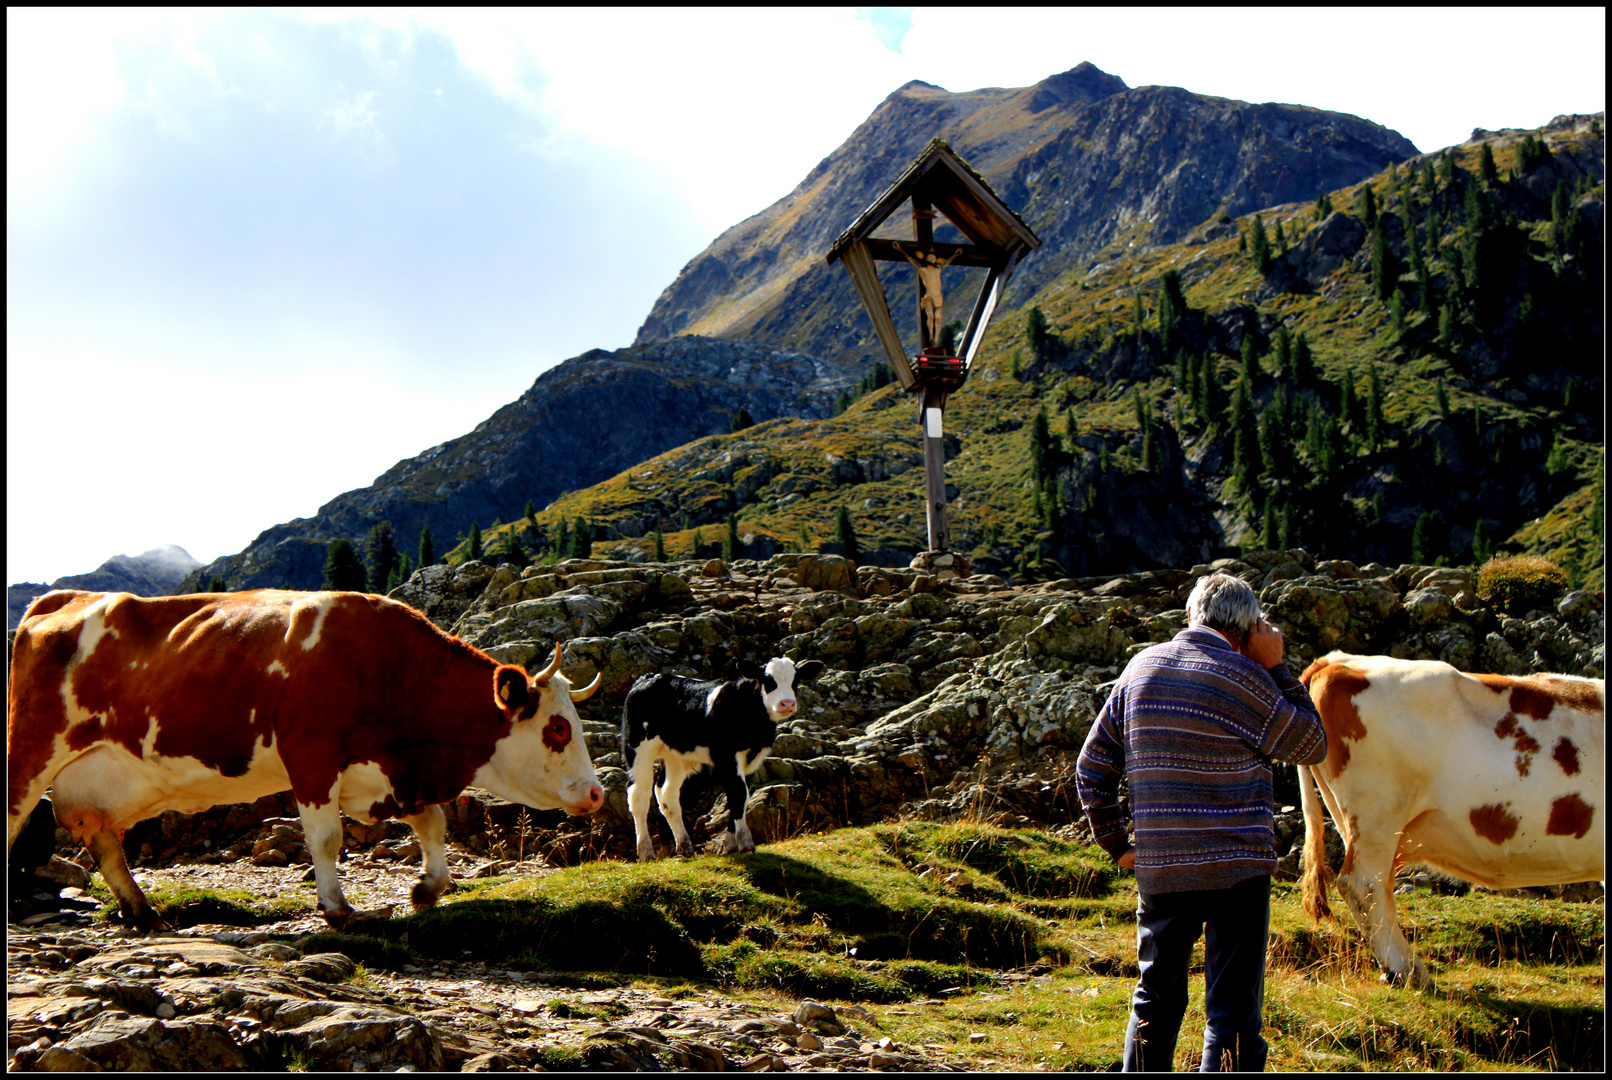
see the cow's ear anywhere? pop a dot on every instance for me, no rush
(510, 687)
(807, 670)
(748, 670)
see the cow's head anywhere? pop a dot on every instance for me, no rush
(543, 761)
(777, 681)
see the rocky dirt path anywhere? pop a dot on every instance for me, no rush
(86, 995)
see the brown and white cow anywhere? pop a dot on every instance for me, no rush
(1496, 780)
(128, 706)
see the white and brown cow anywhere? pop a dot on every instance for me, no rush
(128, 706)
(1496, 780)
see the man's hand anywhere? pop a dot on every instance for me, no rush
(1264, 645)
(1127, 861)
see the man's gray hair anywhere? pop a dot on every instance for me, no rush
(1223, 602)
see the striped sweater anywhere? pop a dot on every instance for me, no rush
(1192, 725)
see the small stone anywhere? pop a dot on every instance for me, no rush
(808, 1041)
(166, 1011)
(976, 1037)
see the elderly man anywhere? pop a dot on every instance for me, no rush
(1193, 725)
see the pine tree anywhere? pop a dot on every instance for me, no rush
(1035, 331)
(475, 541)
(1285, 535)
(660, 544)
(1396, 308)
(1040, 444)
(217, 584)
(1446, 168)
(531, 514)
(1446, 328)
(1350, 403)
(1368, 206)
(562, 540)
(845, 534)
(1247, 461)
(741, 420)
(1323, 205)
(698, 543)
(1374, 412)
(1443, 399)
(1284, 353)
(428, 547)
(1383, 272)
(806, 544)
(344, 570)
(1250, 359)
(1429, 539)
(1557, 462)
(1486, 167)
(1269, 537)
(382, 552)
(1303, 362)
(582, 538)
(1261, 246)
(1482, 545)
(730, 545)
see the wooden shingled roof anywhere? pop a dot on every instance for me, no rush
(952, 186)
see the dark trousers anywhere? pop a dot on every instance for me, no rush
(1236, 924)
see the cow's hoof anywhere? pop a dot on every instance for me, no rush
(337, 918)
(685, 848)
(423, 896)
(646, 852)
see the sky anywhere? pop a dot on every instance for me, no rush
(257, 257)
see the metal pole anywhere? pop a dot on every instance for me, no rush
(934, 407)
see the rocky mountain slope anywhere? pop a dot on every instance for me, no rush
(157, 572)
(1095, 167)
(1425, 387)
(582, 421)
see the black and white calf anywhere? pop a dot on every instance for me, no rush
(726, 724)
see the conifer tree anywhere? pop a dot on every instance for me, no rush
(1040, 444)
(1285, 535)
(1284, 353)
(562, 540)
(1247, 461)
(660, 544)
(344, 570)
(1396, 308)
(1383, 272)
(1261, 246)
(475, 540)
(1035, 331)
(845, 534)
(1250, 360)
(217, 584)
(1350, 404)
(1323, 205)
(1446, 168)
(741, 420)
(1281, 238)
(582, 538)
(531, 514)
(1268, 535)
(805, 539)
(730, 545)
(428, 547)
(1303, 362)
(1482, 545)
(698, 543)
(1443, 399)
(1368, 206)
(382, 552)
(1374, 411)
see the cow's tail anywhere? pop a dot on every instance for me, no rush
(1316, 872)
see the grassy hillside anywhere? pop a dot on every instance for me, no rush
(1419, 378)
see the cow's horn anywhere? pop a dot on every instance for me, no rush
(542, 677)
(587, 691)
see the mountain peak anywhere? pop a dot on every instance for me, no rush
(1080, 85)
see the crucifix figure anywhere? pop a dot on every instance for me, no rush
(929, 265)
